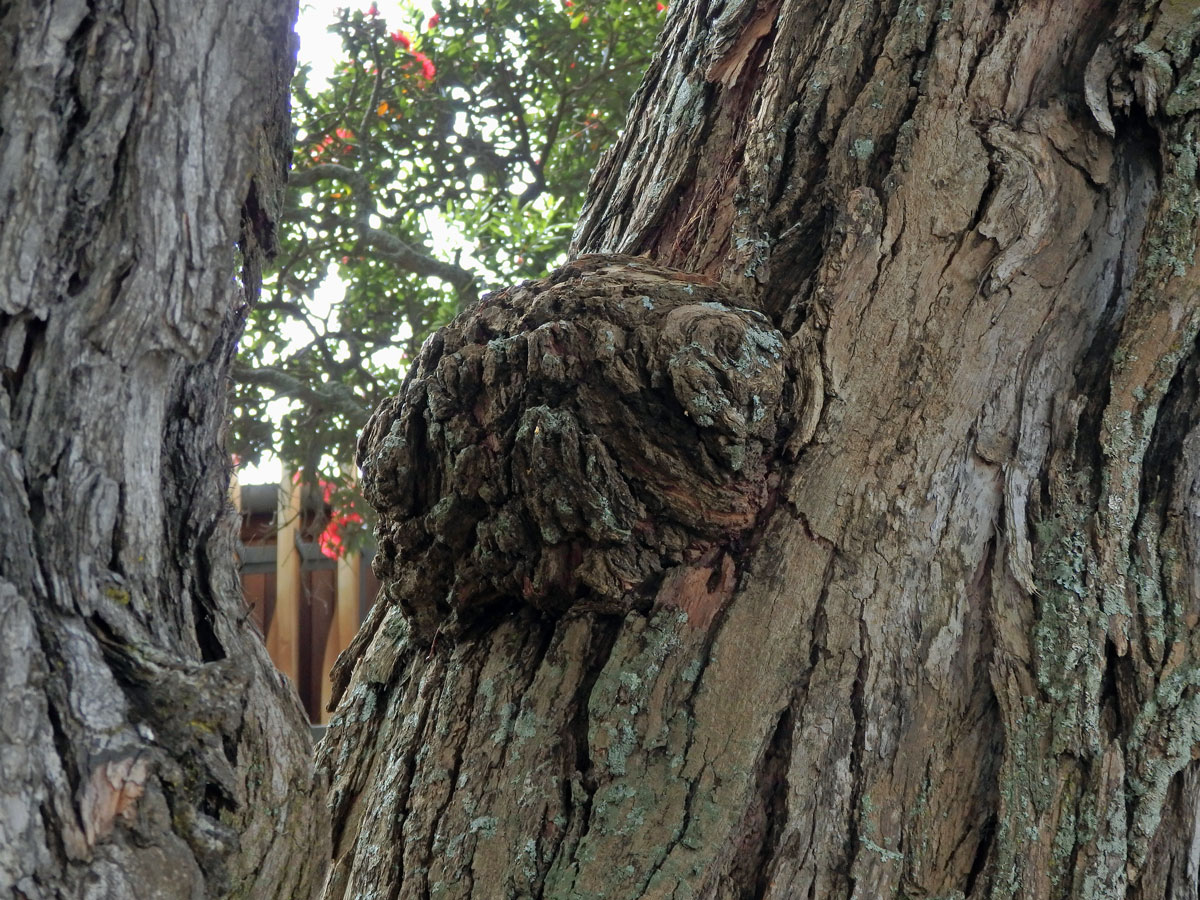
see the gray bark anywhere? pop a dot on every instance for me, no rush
(906, 608)
(148, 748)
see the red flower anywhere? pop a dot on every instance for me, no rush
(372, 10)
(344, 133)
(433, 20)
(399, 37)
(659, 7)
(568, 3)
(427, 67)
(331, 541)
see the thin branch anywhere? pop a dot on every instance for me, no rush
(309, 176)
(330, 396)
(390, 248)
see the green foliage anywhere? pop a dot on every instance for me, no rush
(445, 155)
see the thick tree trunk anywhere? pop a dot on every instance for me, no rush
(858, 561)
(147, 746)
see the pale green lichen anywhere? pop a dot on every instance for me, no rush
(503, 730)
(862, 148)
(525, 726)
(1068, 635)
(484, 826)
(1164, 734)
(368, 706)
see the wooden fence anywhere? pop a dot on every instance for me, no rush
(307, 605)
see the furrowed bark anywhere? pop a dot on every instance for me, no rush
(148, 746)
(948, 647)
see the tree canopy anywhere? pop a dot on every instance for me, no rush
(446, 154)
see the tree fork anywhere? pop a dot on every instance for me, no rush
(963, 583)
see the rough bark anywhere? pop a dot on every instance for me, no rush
(936, 635)
(148, 748)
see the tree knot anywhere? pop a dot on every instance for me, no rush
(567, 442)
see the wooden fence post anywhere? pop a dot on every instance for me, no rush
(283, 634)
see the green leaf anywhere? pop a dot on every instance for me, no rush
(483, 166)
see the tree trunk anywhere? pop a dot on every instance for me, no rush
(835, 532)
(148, 748)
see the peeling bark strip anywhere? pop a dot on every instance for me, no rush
(147, 746)
(960, 656)
(572, 441)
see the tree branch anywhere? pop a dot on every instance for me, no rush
(391, 248)
(331, 396)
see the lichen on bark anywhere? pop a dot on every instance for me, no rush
(570, 483)
(958, 656)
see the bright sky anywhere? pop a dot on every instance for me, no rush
(320, 49)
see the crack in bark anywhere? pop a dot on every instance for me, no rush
(578, 729)
(763, 837)
(455, 768)
(22, 335)
(407, 782)
(857, 751)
